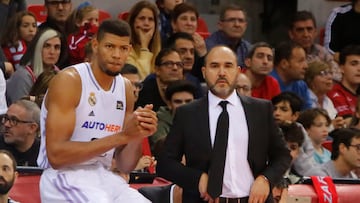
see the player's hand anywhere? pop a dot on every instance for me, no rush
(142, 123)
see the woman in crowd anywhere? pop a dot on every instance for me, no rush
(318, 78)
(145, 38)
(42, 55)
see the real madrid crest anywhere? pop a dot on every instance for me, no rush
(92, 99)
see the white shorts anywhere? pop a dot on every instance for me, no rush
(88, 184)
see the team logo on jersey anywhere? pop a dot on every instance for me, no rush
(92, 99)
(119, 105)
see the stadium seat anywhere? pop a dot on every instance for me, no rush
(103, 15)
(39, 11)
(123, 15)
(328, 145)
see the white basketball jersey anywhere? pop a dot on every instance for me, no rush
(99, 113)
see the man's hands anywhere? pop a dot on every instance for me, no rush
(142, 123)
(203, 183)
(259, 190)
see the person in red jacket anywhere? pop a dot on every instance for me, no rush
(83, 23)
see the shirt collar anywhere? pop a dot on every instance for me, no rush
(214, 100)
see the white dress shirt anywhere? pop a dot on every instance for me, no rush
(238, 177)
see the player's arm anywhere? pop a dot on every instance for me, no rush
(61, 102)
(128, 155)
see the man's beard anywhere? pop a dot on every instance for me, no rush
(109, 72)
(6, 185)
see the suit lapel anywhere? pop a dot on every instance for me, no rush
(250, 114)
(203, 121)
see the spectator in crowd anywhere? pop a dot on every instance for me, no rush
(302, 30)
(259, 64)
(9, 8)
(82, 25)
(290, 68)
(131, 73)
(177, 93)
(145, 37)
(344, 157)
(8, 173)
(165, 8)
(168, 68)
(20, 133)
(232, 25)
(38, 90)
(58, 12)
(318, 78)
(184, 44)
(294, 137)
(243, 85)
(316, 122)
(42, 55)
(185, 19)
(343, 27)
(344, 94)
(19, 33)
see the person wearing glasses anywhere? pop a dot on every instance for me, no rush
(20, 132)
(168, 68)
(345, 155)
(319, 79)
(131, 73)
(232, 26)
(58, 11)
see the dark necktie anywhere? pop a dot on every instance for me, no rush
(216, 172)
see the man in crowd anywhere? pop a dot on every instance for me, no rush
(20, 132)
(259, 64)
(290, 68)
(8, 175)
(232, 26)
(302, 30)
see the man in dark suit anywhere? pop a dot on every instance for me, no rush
(256, 155)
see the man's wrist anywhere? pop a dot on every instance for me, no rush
(265, 178)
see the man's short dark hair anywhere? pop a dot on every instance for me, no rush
(179, 86)
(11, 156)
(163, 52)
(129, 69)
(347, 51)
(113, 26)
(294, 100)
(230, 7)
(342, 135)
(170, 43)
(292, 132)
(302, 16)
(284, 51)
(256, 46)
(183, 8)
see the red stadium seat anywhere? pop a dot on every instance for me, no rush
(123, 15)
(39, 11)
(26, 189)
(103, 15)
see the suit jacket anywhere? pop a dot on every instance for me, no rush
(190, 136)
